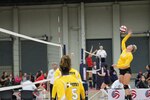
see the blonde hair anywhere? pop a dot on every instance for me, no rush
(134, 48)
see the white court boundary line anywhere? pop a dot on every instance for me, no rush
(97, 93)
(31, 38)
(94, 95)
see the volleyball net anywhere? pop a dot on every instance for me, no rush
(53, 49)
(29, 47)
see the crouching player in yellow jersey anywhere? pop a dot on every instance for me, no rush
(123, 64)
(67, 86)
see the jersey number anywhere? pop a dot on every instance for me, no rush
(74, 94)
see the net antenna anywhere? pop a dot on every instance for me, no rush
(32, 39)
(59, 30)
(91, 49)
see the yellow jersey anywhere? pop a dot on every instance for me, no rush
(68, 88)
(72, 72)
(125, 57)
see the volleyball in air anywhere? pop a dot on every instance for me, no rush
(123, 29)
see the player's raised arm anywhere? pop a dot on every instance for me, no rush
(123, 44)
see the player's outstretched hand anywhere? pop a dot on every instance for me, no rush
(130, 31)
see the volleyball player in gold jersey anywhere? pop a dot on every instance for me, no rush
(67, 86)
(123, 64)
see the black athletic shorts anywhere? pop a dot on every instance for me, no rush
(107, 80)
(89, 68)
(125, 71)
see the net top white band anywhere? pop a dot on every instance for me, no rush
(20, 86)
(27, 37)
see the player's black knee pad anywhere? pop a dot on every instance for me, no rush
(126, 87)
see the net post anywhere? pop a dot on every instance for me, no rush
(82, 51)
